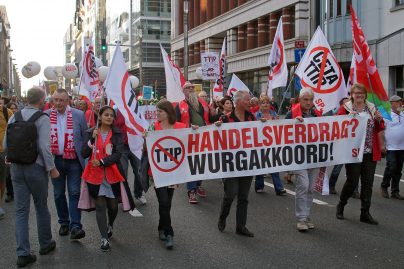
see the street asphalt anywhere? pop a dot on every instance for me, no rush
(199, 244)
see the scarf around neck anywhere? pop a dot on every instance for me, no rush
(68, 152)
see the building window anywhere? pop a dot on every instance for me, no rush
(400, 77)
(399, 2)
(331, 9)
(339, 8)
(348, 4)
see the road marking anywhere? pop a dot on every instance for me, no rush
(294, 194)
(402, 180)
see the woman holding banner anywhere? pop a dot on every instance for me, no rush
(374, 145)
(267, 112)
(166, 120)
(103, 173)
(239, 186)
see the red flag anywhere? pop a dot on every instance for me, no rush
(366, 70)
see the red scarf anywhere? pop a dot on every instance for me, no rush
(68, 151)
(95, 175)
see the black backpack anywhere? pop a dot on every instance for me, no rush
(22, 138)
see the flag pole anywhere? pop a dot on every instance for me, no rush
(287, 88)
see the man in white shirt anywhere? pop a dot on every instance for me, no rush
(395, 149)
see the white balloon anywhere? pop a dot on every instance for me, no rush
(31, 69)
(98, 63)
(102, 73)
(70, 71)
(198, 73)
(134, 82)
(50, 73)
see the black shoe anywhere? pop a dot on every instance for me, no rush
(105, 246)
(23, 261)
(367, 218)
(50, 248)
(221, 224)
(281, 193)
(332, 190)
(78, 233)
(9, 198)
(384, 192)
(396, 195)
(244, 231)
(340, 211)
(64, 230)
(169, 242)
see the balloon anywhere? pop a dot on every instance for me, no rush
(102, 72)
(50, 73)
(31, 69)
(70, 71)
(98, 63)
(134, 82)
(198, 73)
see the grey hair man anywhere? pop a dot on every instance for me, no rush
(304, 178)
(32, 180)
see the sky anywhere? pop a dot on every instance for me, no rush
(37, 31)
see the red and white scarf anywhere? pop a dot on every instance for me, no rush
(68, 152)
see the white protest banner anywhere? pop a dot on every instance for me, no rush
(278, 71)
(89, 77)
(148, 113)
(254, 148)
(174, 78)
(236, 85)
(118, 89)
(320, 71)
(210, 65)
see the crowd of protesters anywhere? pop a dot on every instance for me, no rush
(88, 154)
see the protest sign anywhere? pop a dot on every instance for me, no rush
(210, 65)
(148, 112)
(254, 148)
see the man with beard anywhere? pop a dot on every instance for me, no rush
(193, 112)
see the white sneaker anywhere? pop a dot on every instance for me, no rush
(2, 213)
(302, 226)
(105, 245)
(135, 213)
(142, 199)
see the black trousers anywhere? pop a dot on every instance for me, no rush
(394, 165)
(165, 197)
(239, 186)
(366, 172)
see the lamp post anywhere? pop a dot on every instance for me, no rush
(140, 34)
(186, 10)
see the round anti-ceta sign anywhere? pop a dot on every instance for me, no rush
(323, 74)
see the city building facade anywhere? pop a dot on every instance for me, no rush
(249, 27)
(383, 25)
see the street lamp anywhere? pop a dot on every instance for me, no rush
(186, 10)
(140, 34)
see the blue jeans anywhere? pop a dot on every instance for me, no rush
(394, 165)
(30, 180)
(70, 174)
(191, 186)
(259, 182)
(126, 157)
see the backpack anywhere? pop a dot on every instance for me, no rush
(22, 147)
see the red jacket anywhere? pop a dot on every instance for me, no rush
(379, 126)
(184, 112)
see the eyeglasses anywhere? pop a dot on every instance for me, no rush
(358, 93)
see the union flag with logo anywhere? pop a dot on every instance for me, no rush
(320, 71)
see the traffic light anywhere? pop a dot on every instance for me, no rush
(103, 44)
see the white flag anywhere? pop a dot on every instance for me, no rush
(320, 71)
(119, 90)
(218, 88)
(352, 73)
(278, 70)
(174, 78)
(89, 78)
(236, 85)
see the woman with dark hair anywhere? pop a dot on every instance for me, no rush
(166, 120)
(103, 172)
(374, 145)
(12, 106)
